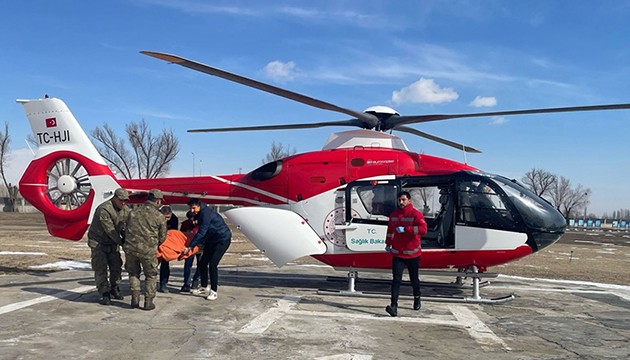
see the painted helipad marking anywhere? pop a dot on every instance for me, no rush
(463, 317)
(476, 328)
(60, 295)
(264, 320)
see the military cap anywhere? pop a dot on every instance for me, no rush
(122, 194)
(157, 194)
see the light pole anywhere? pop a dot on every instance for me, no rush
(585, 206)
(200, 163)
(193, 163)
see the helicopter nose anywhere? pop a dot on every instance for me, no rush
(547, 230)
(540, 240)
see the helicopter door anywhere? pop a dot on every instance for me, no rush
(434, 197)
(368, 205)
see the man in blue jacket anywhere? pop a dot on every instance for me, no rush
(216, 237)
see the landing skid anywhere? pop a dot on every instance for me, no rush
(475, 297)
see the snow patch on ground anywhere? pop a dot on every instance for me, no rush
(64, 265)
(21, 253)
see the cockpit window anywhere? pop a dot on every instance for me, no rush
(536, 212)
(480, 204)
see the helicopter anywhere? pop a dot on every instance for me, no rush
(331, 204)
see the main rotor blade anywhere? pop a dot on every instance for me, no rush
(437, 139)
(369, 119)
(395, 121)
(351, 122)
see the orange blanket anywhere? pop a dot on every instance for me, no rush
(173, 247)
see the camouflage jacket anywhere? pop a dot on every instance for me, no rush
(145, 230)
(107, 224)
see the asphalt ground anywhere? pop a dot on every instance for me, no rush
(268, 313)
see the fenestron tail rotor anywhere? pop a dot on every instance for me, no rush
(381, 119)
(68, 184)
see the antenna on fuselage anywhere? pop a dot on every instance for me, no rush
(464, 151)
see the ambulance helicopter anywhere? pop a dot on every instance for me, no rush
(332, 204)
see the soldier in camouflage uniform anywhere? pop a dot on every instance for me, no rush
(145, 231)
(105, 237)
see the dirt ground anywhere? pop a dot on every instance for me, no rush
(584, 256)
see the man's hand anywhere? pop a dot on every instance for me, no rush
(186, 250)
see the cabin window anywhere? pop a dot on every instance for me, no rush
(378, 200)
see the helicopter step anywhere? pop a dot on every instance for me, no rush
(472, 273)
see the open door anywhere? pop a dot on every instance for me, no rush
(368, 205)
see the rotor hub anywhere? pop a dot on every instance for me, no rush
(66, 184)
(381, 111)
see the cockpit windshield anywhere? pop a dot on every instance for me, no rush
(536, 212)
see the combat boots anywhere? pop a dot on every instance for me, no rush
(135, 300)
(115, 293)
(105, 300)
(148, 303)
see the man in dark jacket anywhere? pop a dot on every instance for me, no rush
(406, 225)
(104, 239)
(216, 237)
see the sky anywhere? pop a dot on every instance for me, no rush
(419, 57)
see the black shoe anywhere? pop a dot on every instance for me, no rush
(185, 289)
(416, 303)
(105, 300)
(195, 284)
(162, 289)
(115, 293)
(392, 310)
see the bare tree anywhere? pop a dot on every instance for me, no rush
(569, 200)
(539, 181)
(113, 149)
(12, 190)
(278, 151)
(154, 154)
(150, 156)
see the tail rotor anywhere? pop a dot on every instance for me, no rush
(68, 184)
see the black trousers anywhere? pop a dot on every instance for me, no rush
(212, 254)
(165, 272)
(398, 265)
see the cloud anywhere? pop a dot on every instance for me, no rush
(484, 101)
(424, 91)
(281, 72)
(498, 120)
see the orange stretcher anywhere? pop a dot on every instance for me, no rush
(173, 247)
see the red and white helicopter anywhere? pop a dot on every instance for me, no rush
(332, 204)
